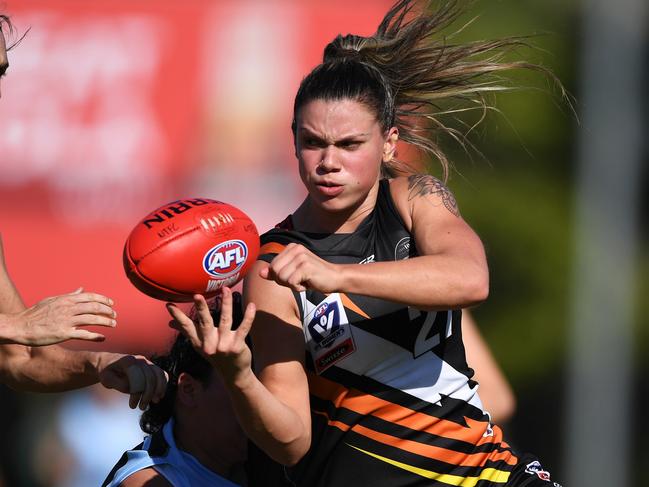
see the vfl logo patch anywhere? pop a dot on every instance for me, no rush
(225, 259)
(324, 327)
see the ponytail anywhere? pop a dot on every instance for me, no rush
(412, 77)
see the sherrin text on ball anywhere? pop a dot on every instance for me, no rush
(190, 246)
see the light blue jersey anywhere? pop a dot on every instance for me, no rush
(160, 452)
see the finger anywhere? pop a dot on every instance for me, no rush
(150, 386)
(88, 297)
(161, 380)
(133, 400)
(94, 308)
(205, 325)
(246, 323)
(89, 336)
(225, 323)
(184, 324)
(95, 320)
(136, 384)
(264, 272)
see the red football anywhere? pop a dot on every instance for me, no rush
(190, 246)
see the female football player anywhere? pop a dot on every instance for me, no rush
(369, 274)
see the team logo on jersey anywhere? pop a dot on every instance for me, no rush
(324, 327)
(226, 258)
(327, 332)
(402, 249)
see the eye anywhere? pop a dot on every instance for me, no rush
(350, 144)
(312, 142)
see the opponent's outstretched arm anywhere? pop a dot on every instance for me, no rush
(52, 320)
(54, 368)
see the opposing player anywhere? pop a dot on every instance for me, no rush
(194, 438)
(369, 274)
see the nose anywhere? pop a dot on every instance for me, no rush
(329, 161)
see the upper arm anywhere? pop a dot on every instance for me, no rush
(278, 341)
(147, 477)
(495, 391)
(430, 213)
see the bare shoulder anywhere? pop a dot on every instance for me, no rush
(277, 337)
(268, 296)
(409, 191)
(147, 477)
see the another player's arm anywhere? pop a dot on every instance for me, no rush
(147, 477)
(274, 410)
(495, 392)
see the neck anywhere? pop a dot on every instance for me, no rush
(310, 217)
(219, 455)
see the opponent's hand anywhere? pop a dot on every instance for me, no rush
(300, 269)
(59, 318)
(223, 347)
(135, 375)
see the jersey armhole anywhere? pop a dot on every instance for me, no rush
(386, 194)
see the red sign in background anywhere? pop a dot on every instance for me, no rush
(112, 108)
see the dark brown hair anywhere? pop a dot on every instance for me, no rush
(414, 77)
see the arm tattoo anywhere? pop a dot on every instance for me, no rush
(424, 184)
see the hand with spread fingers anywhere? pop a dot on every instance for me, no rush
(59, 318)
(223, 345)
(135, 375)
(299, 269)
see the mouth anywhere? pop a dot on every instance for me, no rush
(329, 189)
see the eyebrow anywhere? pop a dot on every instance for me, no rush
(345, 138)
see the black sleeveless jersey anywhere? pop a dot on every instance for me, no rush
(392, 399)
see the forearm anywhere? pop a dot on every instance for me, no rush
(48, 369)
(9, 328)
(272, 425)
(428, 282)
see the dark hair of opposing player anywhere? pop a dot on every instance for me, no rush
(413, 77)
(181, 358)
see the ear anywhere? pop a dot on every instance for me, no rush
(188, 390)
(390, 144)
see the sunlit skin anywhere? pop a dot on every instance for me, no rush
(340, 146)
(4, 61)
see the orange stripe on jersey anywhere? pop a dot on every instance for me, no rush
(271, 248)
(453, 457)
(351, 305)
(366, 404)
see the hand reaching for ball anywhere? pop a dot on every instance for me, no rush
(221, 345)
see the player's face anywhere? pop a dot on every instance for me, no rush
(4, 62)
(217, 418)
(340, 146)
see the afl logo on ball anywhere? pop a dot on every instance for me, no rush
(226, 258)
